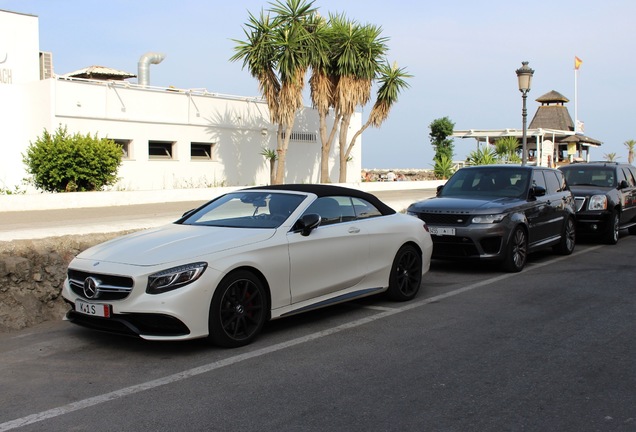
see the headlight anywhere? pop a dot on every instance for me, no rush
(411, 213)
(597, 202)
(175, 277)
(488, 219)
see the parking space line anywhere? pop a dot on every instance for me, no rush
(180, 376)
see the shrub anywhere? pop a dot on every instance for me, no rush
(67, 163)
(482, 156)
(443, 167)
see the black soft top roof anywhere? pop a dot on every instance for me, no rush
(322, 190)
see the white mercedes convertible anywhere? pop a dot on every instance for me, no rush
(224, 269)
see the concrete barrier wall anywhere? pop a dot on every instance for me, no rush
(68, 200)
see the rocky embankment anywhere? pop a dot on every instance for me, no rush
(32, 273)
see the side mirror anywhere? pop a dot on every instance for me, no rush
(307, 223)
(537, 191)
(439, 189)
(623, 184)
(188, 213)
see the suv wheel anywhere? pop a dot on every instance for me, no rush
(568, 238)
(516, 251)
(611, 235)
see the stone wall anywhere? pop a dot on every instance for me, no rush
(32, 273)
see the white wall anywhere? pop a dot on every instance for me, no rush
(237, 127)
(19, 48)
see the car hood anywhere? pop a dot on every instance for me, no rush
(173, 243)
(581, 190)
(466, 204)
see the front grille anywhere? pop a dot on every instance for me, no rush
(111, 287)
(445, 219)
(453, 247)
(580, 202)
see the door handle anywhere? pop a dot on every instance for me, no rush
(354, 230)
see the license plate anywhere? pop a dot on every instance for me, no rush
(93, 309)
(441, 231)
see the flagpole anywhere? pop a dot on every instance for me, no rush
(576, 105)
(577, 64)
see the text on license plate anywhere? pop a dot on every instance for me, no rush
(94, 309)
(440, 231)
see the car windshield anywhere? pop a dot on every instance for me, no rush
(246, 209)
(487, 181)
(590, 176)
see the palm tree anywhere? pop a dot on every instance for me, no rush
(344, 62)
(271, 157)
(611, 157)
(275, 53)
(443, 167)
(506, 149)
(630, 150)
(482, 156)
(362, 51)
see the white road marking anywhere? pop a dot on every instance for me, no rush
(180, 376)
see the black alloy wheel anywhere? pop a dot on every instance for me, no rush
(406, 274)
(517, 251)
(568, 238)
(611, 235)
(238, 310)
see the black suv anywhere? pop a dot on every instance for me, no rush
(500, 213)
(605, 195)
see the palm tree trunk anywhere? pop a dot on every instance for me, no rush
(327, 142)
(281, 150)
(344, 128)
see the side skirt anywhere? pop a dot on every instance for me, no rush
(335, 300)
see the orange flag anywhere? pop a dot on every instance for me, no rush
(577, 63)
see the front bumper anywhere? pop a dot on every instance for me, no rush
(474, 241)
(134, 324)
(174, 315)
(592, 222)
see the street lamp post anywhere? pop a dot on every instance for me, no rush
(524, 75)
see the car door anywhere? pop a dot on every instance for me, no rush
(560, 200)
(538, 211)
(629, 196)
(333, 256)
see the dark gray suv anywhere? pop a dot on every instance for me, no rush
(605, 195)
(500, 213)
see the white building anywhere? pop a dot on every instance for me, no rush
(172, 138)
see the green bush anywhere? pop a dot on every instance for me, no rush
(67, 163)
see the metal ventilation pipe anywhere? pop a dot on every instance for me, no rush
(143, 66)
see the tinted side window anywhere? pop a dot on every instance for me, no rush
(328, 208)
(537, 179)
(365, 209)
(562, 183)
(620, 176)
(632, 170)
(630, 177)
(552, 182)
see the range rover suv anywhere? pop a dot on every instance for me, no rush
(605, 195)
(500, 213)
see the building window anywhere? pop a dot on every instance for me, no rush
(160, 149)
(302, 136)
(126, 147)
(201, 151)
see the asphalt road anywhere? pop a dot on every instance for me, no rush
(50, 223)
(549, 349)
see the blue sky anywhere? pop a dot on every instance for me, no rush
(463, 55)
